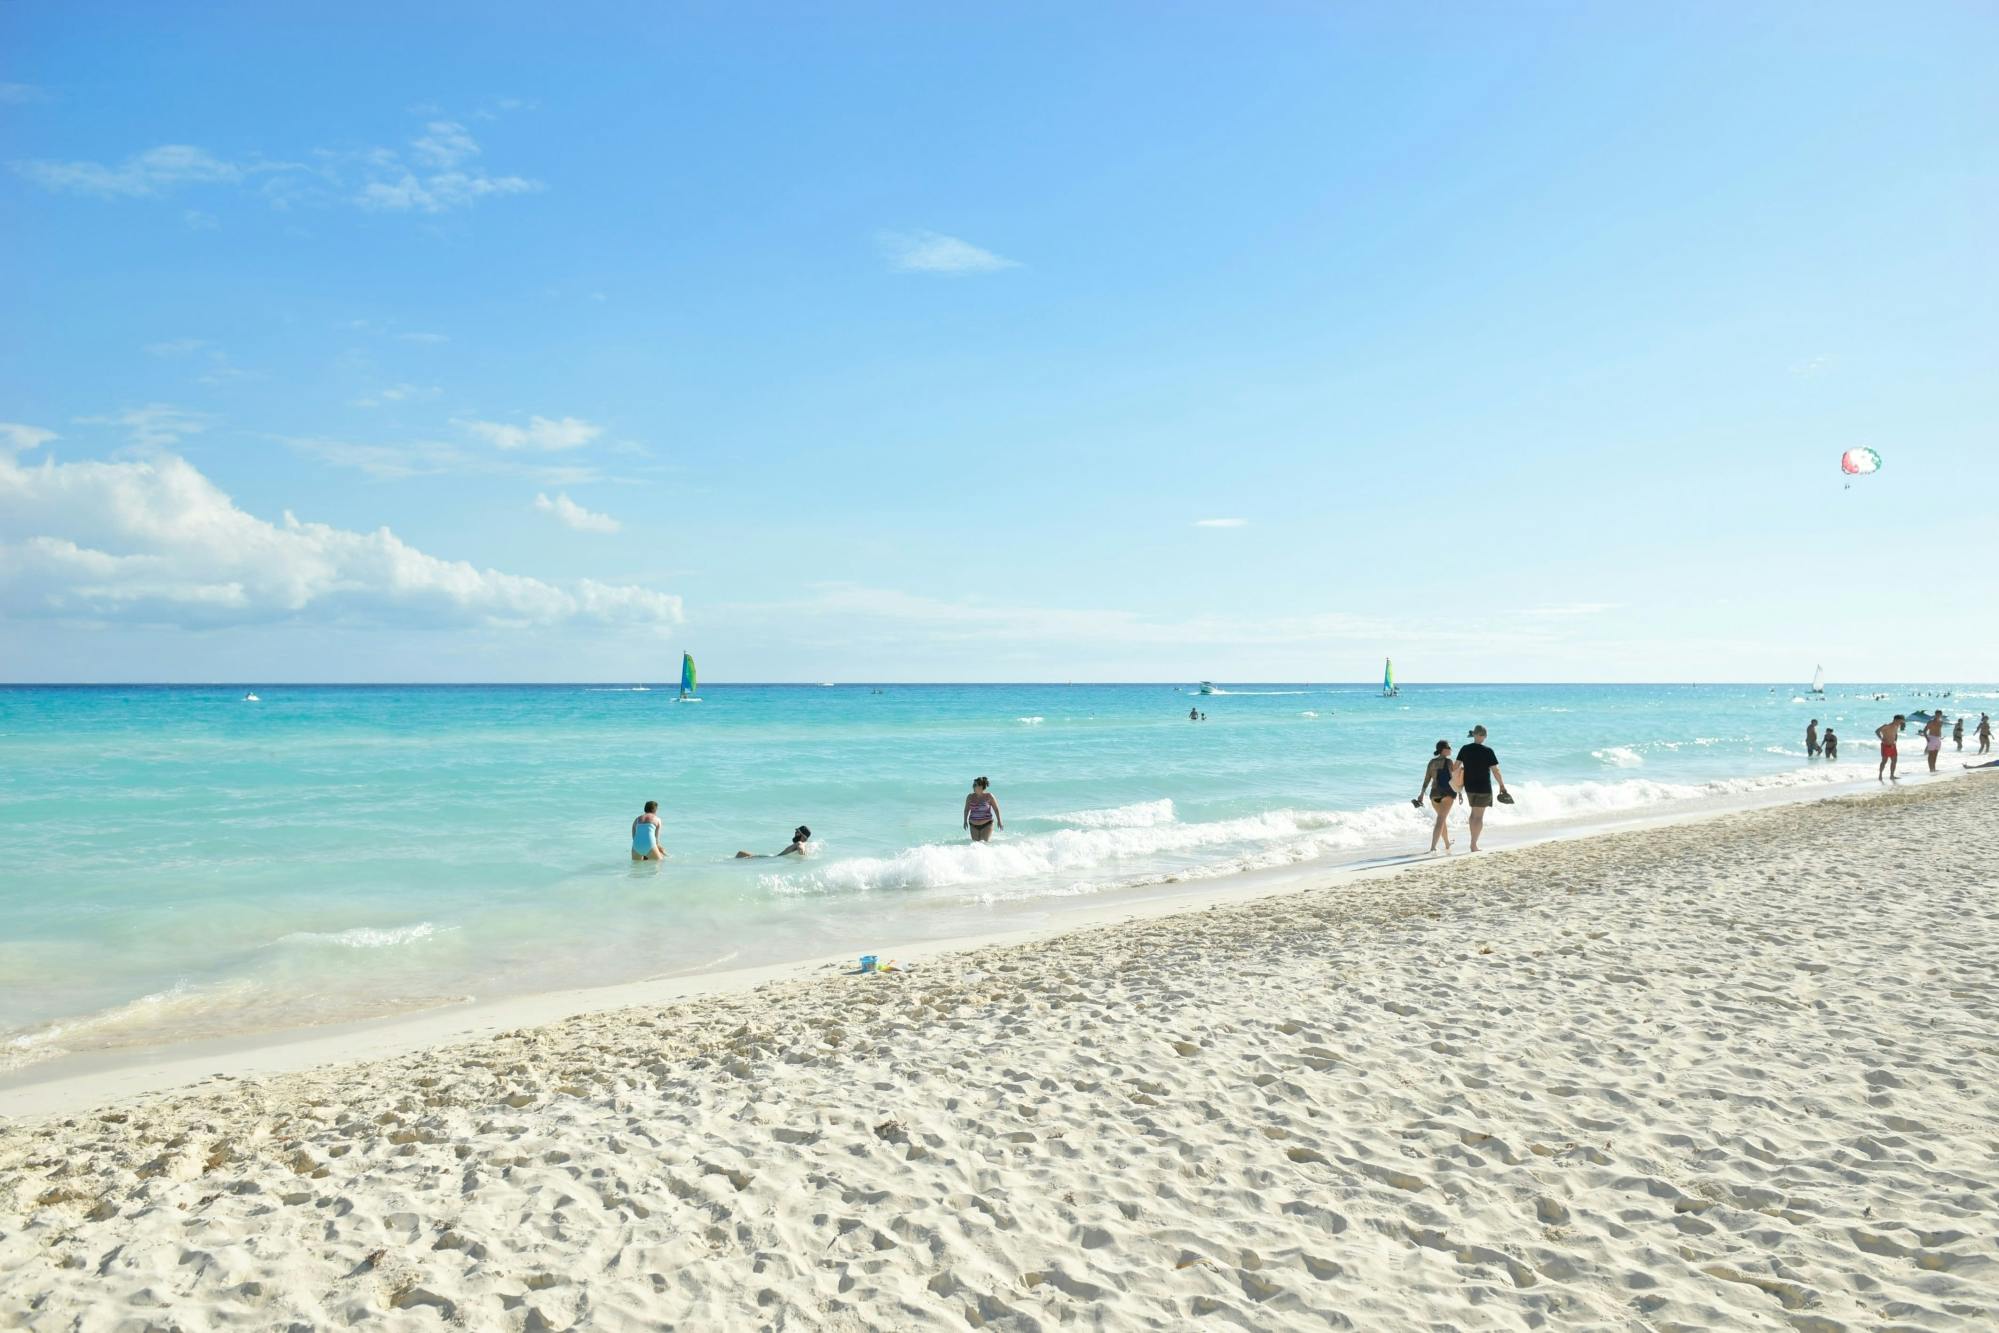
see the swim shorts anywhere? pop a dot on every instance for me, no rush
(1933, 743)
(1889, 751)
(1480, 800)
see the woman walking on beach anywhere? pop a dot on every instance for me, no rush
(1440, 782)
(982, 812)
(1933, 737)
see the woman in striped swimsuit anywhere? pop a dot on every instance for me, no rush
(982, 812)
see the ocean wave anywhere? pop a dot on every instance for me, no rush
(104, 1028)
(363, 937)
(1031, 721)
(1114, 852)
(1619, 756)
(1258, 693)
(1144, 814)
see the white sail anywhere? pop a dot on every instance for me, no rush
(1818, 681)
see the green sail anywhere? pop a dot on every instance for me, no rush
(686, 674)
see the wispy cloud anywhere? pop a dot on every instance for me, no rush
(1221, 522)
(157, 542)
(1564, 610)
(434, 172)
(439, 174)
(154, 426)
(399, 393)
(431, 458)
(20, 94)
(571, 514)
(1811, 367)
(176, 347)
(196, 220)
(932, 252)
(540, 433)
(428, 339)
(154, 172)
(16, 438)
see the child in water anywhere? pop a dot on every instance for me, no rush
(1831, 743)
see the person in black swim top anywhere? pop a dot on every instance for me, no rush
(1440, 779)
(1480, 767)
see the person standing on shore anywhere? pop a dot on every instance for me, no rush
(1984, 734)
(1957, 732)
(1933, 738)
(1478, 769)
(645, 835)
(1831, 744)
(982, 812)
(1888, 733)
(1440, 778)
(1812, 739)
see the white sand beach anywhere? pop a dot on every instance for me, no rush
(1742, 1073)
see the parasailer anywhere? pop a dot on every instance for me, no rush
(1859, 463)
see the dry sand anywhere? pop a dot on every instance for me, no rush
(1735, 1074)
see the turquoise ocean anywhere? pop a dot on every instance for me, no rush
(178, 862)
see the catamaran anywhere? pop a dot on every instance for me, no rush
(687, 695)
(1818, 681)
(1388, 690)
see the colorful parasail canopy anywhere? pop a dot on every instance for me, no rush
(1859, 462)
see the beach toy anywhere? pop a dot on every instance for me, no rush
(867, 962)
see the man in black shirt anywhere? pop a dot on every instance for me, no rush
(1481, 771)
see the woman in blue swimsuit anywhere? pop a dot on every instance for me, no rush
(1441, 777)
(645, 835)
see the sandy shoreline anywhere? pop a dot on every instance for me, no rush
(95, 1077)
(1739, 1073)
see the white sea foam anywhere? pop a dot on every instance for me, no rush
(1309, 712)
(1619, 756)
(1031, 721)
(180, 1002)
(1144, 814)
(1258, 693)
(1090, 858)
(363, 937)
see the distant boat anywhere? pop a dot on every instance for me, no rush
(1388, 688)
(1818, 681)
(687, 695)
(1207, 687)
(251, 699)
(641, 689)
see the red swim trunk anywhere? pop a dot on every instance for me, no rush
(1890, 752)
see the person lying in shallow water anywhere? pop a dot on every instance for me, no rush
(799, 837)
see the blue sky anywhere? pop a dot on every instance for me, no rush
(1038, 342)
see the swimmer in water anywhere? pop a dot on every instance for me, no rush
(799, 837)
(982, 812)
(645, 835)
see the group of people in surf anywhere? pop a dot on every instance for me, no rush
(981, 820)
(1470, 773)
(1890, 735)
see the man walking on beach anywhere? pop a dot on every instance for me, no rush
(1812, 739)
(1481, 770)
(1984, 734)
(1888, 734)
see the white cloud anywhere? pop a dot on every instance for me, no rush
(155, 426)
(156, 541)
(1221, 522)
(444, 144)
(399, 393)
(153, 172)
(433, 173)
(176, 347)
(574, 515)
(387, 462)
(929, 252)
(18, 439)
(196, 220)
(539, 433)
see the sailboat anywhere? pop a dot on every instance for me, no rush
(1818, 681)
(687, 695)
(1388, 689)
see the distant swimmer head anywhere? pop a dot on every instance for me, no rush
(979, 784)
(652, 807)
(801, 834)
(1443, 747)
